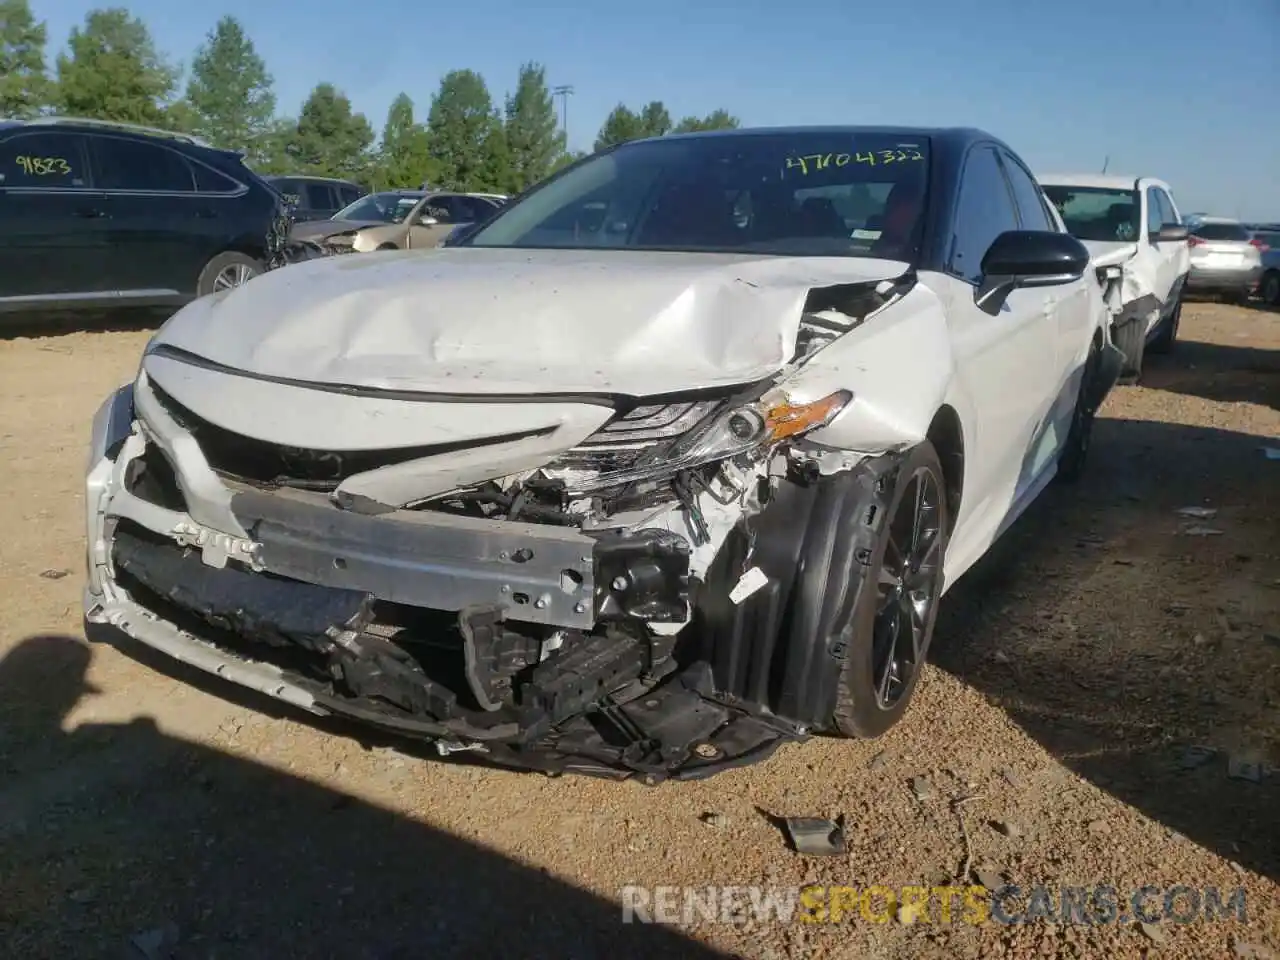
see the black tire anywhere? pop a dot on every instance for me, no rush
(1167, 332)
(1269, 289)
(859, 709)
(1131, 338)
(218, 273)
(1075, 451)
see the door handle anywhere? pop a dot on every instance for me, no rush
(91, 213)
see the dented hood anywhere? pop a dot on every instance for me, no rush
(1109, 253)
(499, 321)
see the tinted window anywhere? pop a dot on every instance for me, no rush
(985, 211)
(1097, 213)
(42, 160)
(209, 180)
(1167, 211)
(444, 208)
(349, 195)
(1221, 231)
(138, 165)
(760, 193)
(319, 196)
(380, 207)
(472, 209)
(1026, 194)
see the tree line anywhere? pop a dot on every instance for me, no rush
(111, 69)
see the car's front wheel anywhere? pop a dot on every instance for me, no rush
(1167, 332)
(1131, 338)
(891, 624)
(227, 271)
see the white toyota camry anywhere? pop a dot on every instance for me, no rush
(667, 463)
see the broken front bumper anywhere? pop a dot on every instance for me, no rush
(275, 592)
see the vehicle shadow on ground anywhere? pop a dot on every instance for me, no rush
(1143, 657)
(115, 831)
(17, 326)
(1217, 372)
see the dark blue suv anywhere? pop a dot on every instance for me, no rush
(96, 214)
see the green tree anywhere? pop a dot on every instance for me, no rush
(270, 153)
(230, 89)
(464, 134)
(566, 158)
(719, 120)
(181, 116)
(328, 139)
(620, 126)
(532, 140)
(403, 157)
(112, 70)
(24, 84)
(655, 121)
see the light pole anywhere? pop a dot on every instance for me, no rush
(564, 93)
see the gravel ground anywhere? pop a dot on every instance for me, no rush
(1104, 688)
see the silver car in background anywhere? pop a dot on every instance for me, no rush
(1225, 259)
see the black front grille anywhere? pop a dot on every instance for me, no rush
(238, 457)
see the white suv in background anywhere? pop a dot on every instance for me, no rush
(1138, 243)
(1226, 259)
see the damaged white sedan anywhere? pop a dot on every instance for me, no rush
(668, 463)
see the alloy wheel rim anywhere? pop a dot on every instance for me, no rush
(233, 275)
(908, 588)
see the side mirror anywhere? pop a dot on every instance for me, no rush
(1170, 233)
(1031, 258)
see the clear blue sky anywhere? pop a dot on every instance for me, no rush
(1187, 90)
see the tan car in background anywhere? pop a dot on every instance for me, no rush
(395, 220)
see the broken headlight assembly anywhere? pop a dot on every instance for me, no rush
(740, 429)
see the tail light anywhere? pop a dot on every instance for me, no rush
(1194, 241)
(1262, 247)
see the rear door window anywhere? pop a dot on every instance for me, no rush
(49, 159)
(136, 165)
(319, 196)
(209, 180)
(1167, 211)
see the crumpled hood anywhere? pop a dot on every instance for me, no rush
(469, 320)
(1108, 253)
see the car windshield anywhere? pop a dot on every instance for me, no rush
(856, 194)
(379, 208)
(1096, 213)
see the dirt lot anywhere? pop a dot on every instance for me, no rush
(1106, 687)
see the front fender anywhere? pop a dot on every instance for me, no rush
(899, 366)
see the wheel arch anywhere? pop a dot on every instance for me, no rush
(946, 433)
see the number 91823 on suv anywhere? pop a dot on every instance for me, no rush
(96, 215)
